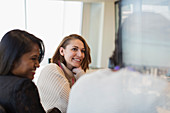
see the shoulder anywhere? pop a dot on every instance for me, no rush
(12, 80)
(19, 93)
(24, 84)
(93, 79)
(25, 95)
(52, 67)
(107, 78)
(14, 84)
(96, 76)
(51, 72)
(110, 87)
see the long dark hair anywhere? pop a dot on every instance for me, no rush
(13, 45)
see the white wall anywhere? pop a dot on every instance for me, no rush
(108, 37)
(92, 29)
(12, 15)
(98, 28)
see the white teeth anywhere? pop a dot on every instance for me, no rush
(77, 59)
(33, 71)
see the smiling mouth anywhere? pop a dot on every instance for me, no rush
(78, 60)
(33, 72)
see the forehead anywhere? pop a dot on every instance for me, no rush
(34, 52)
(76, 42)
(34, 49)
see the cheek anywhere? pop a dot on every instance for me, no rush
(69, 55)
(27, 65)
(24, 67)
(83, 55)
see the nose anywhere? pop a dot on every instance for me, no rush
(80, 53)
(37, 64)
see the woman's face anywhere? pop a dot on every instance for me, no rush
(27, 64)
(74, 53)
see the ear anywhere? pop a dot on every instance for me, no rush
(61, 51)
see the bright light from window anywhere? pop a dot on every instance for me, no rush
(12, 15)
(49, 20)
(53, 20)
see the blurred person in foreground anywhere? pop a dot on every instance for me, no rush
(119, 90)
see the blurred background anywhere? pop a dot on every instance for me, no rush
(142, 28)
(52, 20)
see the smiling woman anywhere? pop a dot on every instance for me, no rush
(20, 55)
(27, 64)
(69, 63)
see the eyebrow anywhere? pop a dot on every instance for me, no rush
(78, 47)
(35, 55)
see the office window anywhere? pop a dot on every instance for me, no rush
(49, 20)
(52, 20)
(144, 32)
(12, 15)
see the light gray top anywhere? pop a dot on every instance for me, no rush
(123, 91)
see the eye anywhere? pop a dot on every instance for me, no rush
(83, 51)
(74, 49)
(34, 58)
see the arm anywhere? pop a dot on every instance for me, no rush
(64, 97)
(54, 88)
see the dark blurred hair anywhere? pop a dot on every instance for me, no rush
(116, 58)
(13, 45)
(58, 57)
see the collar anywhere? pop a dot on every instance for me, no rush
(67, 72)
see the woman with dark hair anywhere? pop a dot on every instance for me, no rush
(69, 63)
(20, 55)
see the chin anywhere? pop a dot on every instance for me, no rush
(76, 66)
(31, 77)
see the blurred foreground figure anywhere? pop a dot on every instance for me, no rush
(119, 90)
(124, 91)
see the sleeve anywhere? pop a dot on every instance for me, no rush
(64, 97)
(54, 88)
(26, 98)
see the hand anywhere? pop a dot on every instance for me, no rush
(77, 70)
